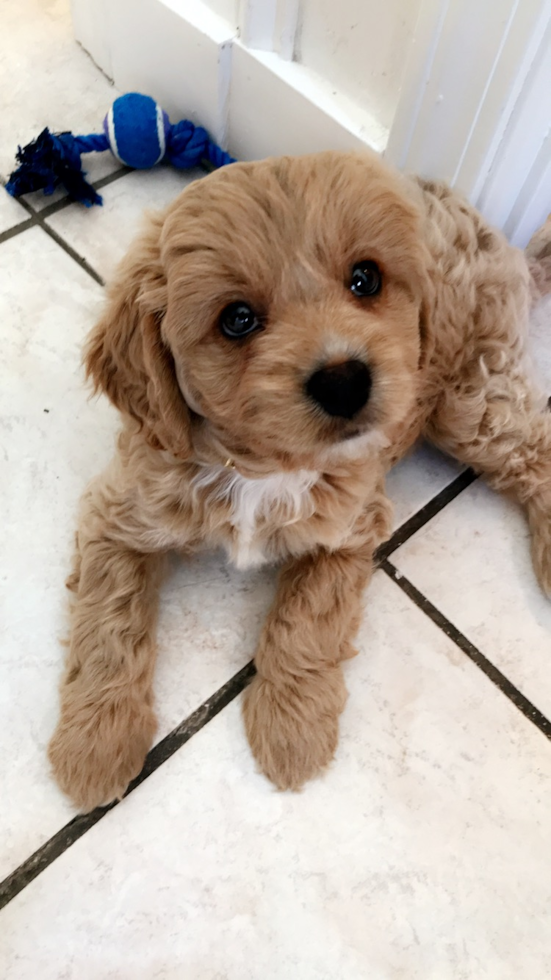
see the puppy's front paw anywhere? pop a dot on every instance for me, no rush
(97, 749)
(293, 728)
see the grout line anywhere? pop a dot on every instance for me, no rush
(24, 204)
(39, 218)
(521, 702)
(425, 514)
(70, 251)
(79, 825)
(66, 202)
(16, 229)
(37, 221)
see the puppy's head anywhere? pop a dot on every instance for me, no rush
(272, 311)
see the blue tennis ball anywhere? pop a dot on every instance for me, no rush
(137, 129)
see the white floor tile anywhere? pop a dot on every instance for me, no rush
(422, 853)
(210, 619)
(11, 213)
(417, 479)
(473, 562)
(53, 440)
(102, 235)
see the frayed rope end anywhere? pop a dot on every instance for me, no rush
(48, 162)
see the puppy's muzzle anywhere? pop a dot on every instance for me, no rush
(341, 390)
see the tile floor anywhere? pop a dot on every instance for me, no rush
(424, 852)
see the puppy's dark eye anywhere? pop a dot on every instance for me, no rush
(366, 279)
(238, 320)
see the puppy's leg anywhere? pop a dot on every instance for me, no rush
(499, 424)
(292, 706)
(107, 719)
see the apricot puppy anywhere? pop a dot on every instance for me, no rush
(275, 340)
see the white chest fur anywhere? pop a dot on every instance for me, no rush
(277, 500)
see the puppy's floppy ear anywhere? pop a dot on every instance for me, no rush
(125, 355)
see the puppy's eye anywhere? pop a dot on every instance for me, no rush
(366, 279)
(238, 320)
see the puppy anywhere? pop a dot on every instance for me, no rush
(275, 341)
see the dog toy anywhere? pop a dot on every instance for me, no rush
(137, 132)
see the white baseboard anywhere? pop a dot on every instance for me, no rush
(177, 52)
(278, 107)
(473, 107)
(254, 103)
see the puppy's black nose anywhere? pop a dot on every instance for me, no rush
(341, 389)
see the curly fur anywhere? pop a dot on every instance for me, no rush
(445, 342)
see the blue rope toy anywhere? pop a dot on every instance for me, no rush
(137, 132)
